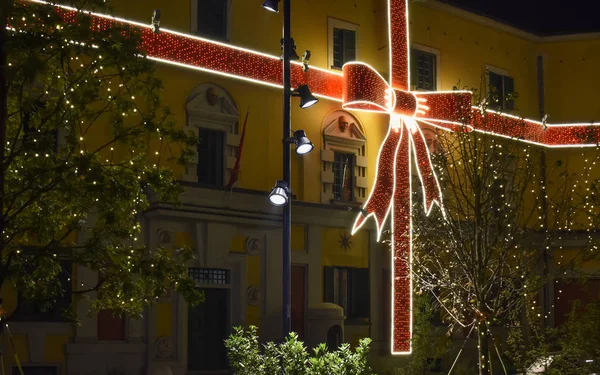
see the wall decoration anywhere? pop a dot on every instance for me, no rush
(253, 246)
(164, 347)
(253, 295)
(360, 87)
(345, 241)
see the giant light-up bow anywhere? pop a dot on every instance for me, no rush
(360, 87)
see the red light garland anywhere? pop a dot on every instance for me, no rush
(362, 88)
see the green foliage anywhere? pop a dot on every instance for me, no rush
(246, 357)
(427, 343)
(88, 146)
(571, 346)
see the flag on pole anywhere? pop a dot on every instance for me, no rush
(235, 172)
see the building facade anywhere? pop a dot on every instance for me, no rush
(340, 283)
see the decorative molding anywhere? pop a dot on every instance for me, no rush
(164, 237)
(164, 347)
(253, 295)
(254, 246)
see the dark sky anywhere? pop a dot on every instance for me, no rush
(541, 17)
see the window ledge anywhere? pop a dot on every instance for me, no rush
(52, 328)
(357, 321)
(345, 203)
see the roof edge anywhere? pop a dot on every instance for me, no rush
(486, 21)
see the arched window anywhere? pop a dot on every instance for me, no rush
(343, 159)
(213, 117)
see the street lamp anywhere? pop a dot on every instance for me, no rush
(271, 5)
(281, 193)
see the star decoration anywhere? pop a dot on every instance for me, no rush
(345, 242)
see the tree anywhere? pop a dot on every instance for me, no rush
(87, 143)
(487, 261)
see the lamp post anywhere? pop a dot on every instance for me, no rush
(287, 171)
(281, 194)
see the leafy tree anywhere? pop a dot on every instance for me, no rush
(87, 143)
(487, 261)
(246, 357)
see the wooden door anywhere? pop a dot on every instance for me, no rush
(298, 298)
(208, 327)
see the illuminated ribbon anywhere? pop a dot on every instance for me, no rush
(361, 88)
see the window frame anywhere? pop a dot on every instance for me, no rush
(351, 298)
(352, 157)
(340, 24)
(194, 21)
(218, 164)
(55, 315)
(433, 51)
(504, 74)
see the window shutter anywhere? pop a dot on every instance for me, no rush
(349, 40)
(509, 89)
(423, 70)
(360, 293)
(328, 285)
(496, 94)
(212, 18)
(211, 145)
(338, 48)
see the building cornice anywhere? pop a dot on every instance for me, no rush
(488, 22)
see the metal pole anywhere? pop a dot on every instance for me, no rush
(287, 209)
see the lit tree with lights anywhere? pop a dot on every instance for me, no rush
(87, 144)
(487, 261)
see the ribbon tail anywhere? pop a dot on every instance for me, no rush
(432, 191)
(379, 202)
(401, 250)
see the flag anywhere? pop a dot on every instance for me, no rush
(235, 172)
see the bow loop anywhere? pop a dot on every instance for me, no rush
(366, 90)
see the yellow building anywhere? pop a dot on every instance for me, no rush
(337, 280)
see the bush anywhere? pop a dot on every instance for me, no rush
(246, 357)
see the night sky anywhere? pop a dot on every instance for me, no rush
(541, 17)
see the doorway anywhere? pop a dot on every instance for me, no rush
(298, 312)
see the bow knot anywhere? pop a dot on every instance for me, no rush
(365, 89)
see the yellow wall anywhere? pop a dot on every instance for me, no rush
(335, 255)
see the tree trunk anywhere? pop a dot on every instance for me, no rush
(483, 348)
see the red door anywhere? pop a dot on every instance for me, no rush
(298, 298)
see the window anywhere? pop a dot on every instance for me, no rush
(343, 175)
(423, 70)
(343, 160)
(348, 288)
(567, 291)
(343, 42)
(210, 157)
(48, 311)
(501, 91)
(209, 18)
(110, 327)
(213, 116)
(344, 46)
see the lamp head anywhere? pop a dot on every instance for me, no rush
(307, 99)
(280, 194)
(303, 144)
(271, 5)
